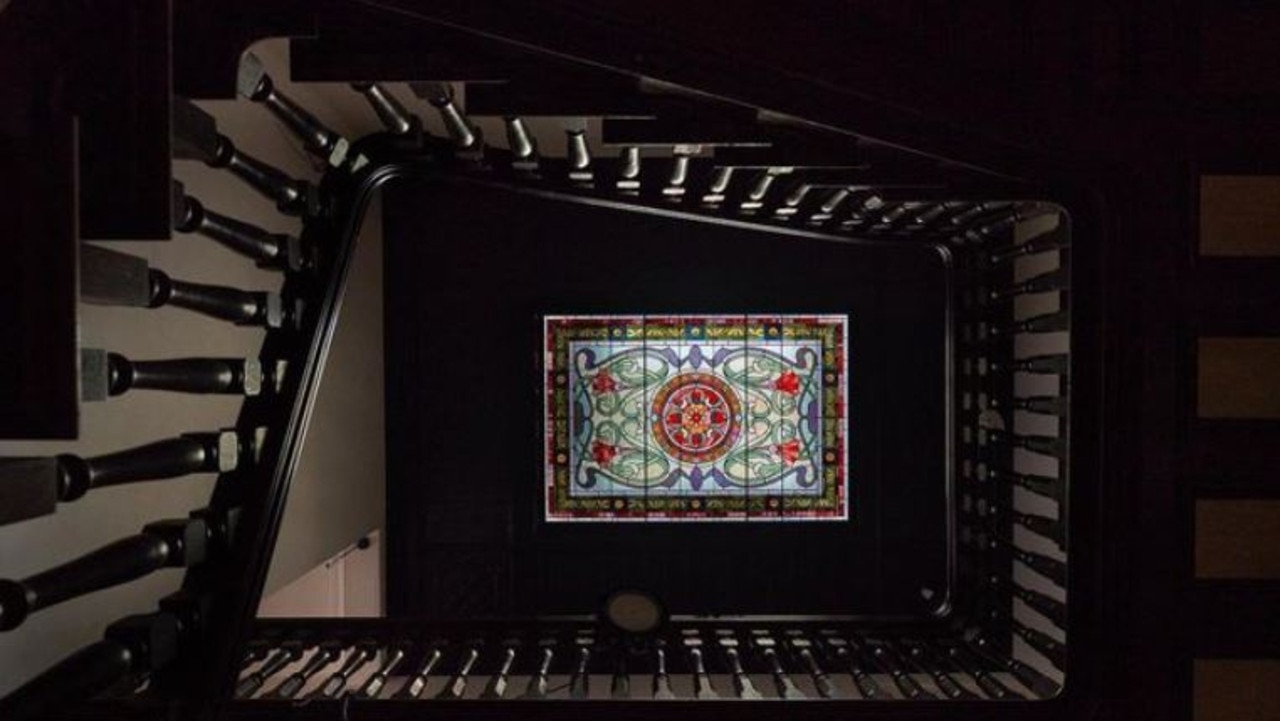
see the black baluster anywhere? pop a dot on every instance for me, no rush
(661, 681)
(900, 211)
(257, 650)
(679, 175)
(782, 682)
(934, 213)
(790, 205)
(497, 686)
(538, 682)
(291, 195)
(31, 487)
(417, 683)
(1042, 642)
(196, 137)
(1040, 485)
(457, 685)
(1046, 445)
(267, 249)
(1054, 280)
(578, 156)
(580, 679)
(106, 374)
(742, 685)
(1050, 528)
(468, 142)
(254, 83)
(1051, 609)
(1054, 570)
(989, 684)
(629, 167)
(907, 685)
(230, 304)
(721, 179)
(827, 210)
(926, 661)
(977, 210)
(523, 146)
(1048, 405)
(871, 204)
(865, 212)
(862, 678)
(620, 684)
(174, 543)
(374, 684)
(336, 684)
(760, 189)
(1047, 323)
(1059, 364)
(288, 653)
(219, 452)
(141, 644)
(1039, 244)
(821, 681)
(394, 117)
(702, 688)
(1002, 223)
(293, 684)
(1041, 685)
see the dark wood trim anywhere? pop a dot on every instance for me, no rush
(122, 83)
(39, 358)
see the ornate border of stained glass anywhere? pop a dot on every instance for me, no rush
(696, 418)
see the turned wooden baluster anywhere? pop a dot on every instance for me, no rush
(269, 250)
(395, 118)
(336, 684)
(497, 686)
(417, 683)
(254, 83)
(31, 487)
(196, 137)
(378, 681)
(172, 543)
(538, 682)
(105, 374)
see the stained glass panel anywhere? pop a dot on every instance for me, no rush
(696, 418)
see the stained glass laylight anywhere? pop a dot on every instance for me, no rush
(696, 418)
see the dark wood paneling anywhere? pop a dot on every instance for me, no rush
(39, 385)
(213, 34)
(122, 96)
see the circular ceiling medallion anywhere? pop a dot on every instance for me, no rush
(634, 611)
(696, 417)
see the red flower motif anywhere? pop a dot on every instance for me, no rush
(789, 451)
(788, 383)
(603, 383)
(603, 452)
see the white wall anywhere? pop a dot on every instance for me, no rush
(338, 491)
(350, 584)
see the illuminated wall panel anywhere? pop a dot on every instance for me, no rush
(696, 418)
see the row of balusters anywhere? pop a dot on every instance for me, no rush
(120, 279)
(719, 664)
(828, 198)
(1014, 402)
(143, 644)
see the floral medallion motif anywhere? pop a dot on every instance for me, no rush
(696, 418)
